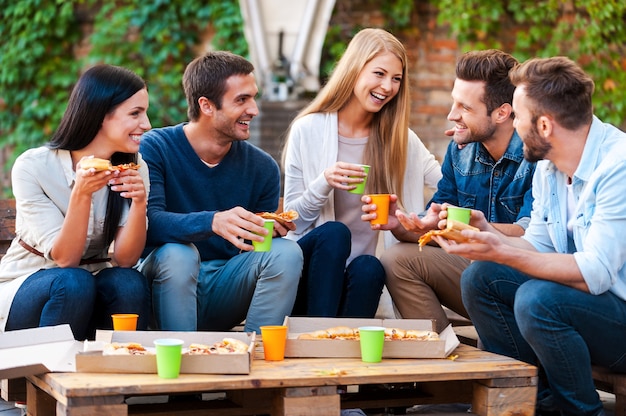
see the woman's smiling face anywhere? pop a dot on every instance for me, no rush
(124, 126)
(378, 82)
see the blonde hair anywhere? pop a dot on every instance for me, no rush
(388, 140)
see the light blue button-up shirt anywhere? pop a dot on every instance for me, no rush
(599, 231)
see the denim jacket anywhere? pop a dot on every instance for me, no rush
(500, 189)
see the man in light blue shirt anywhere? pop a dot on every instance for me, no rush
(556, 297)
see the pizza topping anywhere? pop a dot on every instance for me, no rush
(125, 348)
(125, 166)
(104, 164)
(225, 346)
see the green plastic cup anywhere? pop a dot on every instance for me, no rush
(360, 187)
(459, 214)
(168, 356)
(266, 244)
(372, 339)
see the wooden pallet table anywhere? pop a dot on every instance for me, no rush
(494, 384)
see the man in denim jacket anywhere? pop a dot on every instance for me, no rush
(483, 169)
(557, 296)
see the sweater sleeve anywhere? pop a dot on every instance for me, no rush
(169, 226)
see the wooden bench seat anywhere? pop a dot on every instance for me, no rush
(15, 389)
(7, 224)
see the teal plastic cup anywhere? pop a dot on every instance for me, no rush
(360, 187)
(372, 340)
(459, 214)
(266, 244)
(168, 356)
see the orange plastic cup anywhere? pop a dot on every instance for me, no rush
(382, 208)
(274, 339)
(125, 321)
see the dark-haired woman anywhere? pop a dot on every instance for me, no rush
(56, 270)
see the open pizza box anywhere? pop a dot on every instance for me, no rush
(33, 351)
(92, 360)
(329, 348)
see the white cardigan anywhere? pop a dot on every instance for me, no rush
(313, 147)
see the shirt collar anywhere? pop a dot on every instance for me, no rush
(514, 151)
(591, 151)
(68, 168)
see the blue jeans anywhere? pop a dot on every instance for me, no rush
(564, 330)
(190, 295)
(76, 297)
(329, 288)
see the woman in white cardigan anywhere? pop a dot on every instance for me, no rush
(361, 116)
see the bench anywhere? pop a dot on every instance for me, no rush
(7, 224)
(14, 389)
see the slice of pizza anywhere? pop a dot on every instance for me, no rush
(451, 232)
(281, 217)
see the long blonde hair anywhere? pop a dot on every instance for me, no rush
(387, 145)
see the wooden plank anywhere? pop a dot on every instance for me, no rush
(39, 403)
(102, 410)
(298, 405)
(309, 391)
(515, 401)
(615, 383)
(509, 382)
(13, 390)
(7, 224)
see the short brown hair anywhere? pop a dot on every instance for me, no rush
(491, 66)
(559, 87)
(206, 77)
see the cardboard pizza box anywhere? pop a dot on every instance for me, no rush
(295, 347)
(92, 360)
(33, 351)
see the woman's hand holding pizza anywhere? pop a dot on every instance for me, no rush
(129, 184)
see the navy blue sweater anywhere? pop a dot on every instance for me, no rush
(185, 193)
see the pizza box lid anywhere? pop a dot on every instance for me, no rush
(33, 351)
(295, 347)
(91, 359)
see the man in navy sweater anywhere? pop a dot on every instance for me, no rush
(206, 184)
